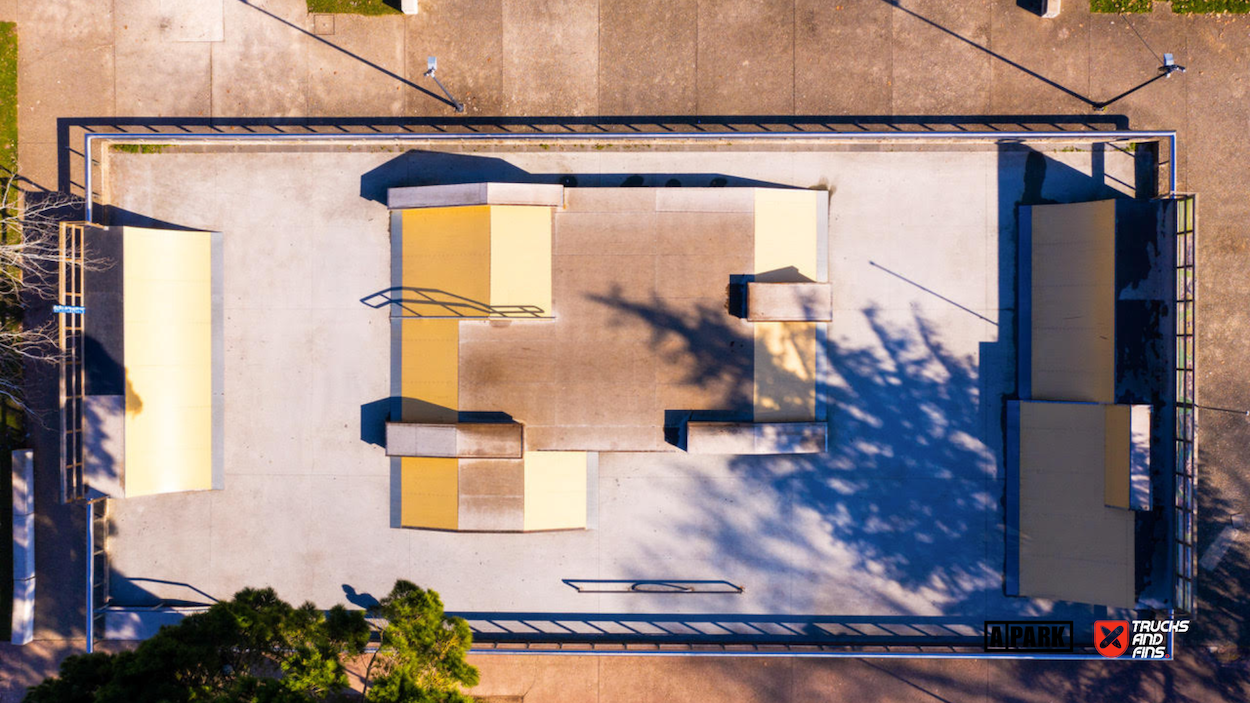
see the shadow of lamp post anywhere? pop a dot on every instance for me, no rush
(432, 65)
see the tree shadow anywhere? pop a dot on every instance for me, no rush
(905, 514)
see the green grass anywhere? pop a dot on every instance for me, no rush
(8, 161)
(139, 148)
(1118, 6)
(355, 7)
(1180, 7)
(1210, 7)
(8, 96)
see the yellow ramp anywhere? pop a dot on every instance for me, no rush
(429, 379)
(785, 371)
(520, 258)
(1073, 294)
(555, 490)
(446, 254)
(786, 234)
(786, 249)
(429, 493)
(167, 309)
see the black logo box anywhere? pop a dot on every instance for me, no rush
(1005, 626)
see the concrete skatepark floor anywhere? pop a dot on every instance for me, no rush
(901, 519)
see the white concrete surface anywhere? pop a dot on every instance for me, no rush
(901, 518)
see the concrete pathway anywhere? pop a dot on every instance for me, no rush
(551, 679)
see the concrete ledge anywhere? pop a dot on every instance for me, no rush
(461, 194)
(479, 440)
(23, 482)
(789, 302)
(23, 621)
(756, 438)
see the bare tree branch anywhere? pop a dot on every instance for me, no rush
(30, 262)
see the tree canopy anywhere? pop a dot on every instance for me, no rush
(256, 648)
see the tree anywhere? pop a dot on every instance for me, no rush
(30, 226)
(30, 258)
(254, 647)
(422, 653)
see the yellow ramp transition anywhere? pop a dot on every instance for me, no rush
(429, 386)
(555, 490)
(446, 254)
(433, 494)
(1073, 546)
(167, 327)
(1073, 294)
(786, 234)
(429, 493)
(785, 371)
(429, 380)
(786, 250)
(520, 259)
(478, 261)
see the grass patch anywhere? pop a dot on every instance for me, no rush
(1118, 6)
(355, 7)
(9, 425)
(1210, 7)
(8, 96)
(139, 148)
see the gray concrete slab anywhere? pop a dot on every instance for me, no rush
(900, 519)
(843, 66)
(647, 57)
(1046, 64)
(66, 70)
(193, 20)
(360, 70)
(154, 74)
(745, 57)
(929, 34)
(550, 58)
(261, 68)
(467, 38)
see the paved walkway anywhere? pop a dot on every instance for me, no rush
(551, 679)
(268, 58)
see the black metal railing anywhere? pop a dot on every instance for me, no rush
(70, 341)
(1185, 475)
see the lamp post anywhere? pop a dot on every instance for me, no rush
(431, 67)
(1170, 66)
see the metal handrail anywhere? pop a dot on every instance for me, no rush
(829, 137)
(70, 343)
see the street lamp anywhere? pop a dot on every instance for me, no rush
(432, 65)
(1170, 66)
